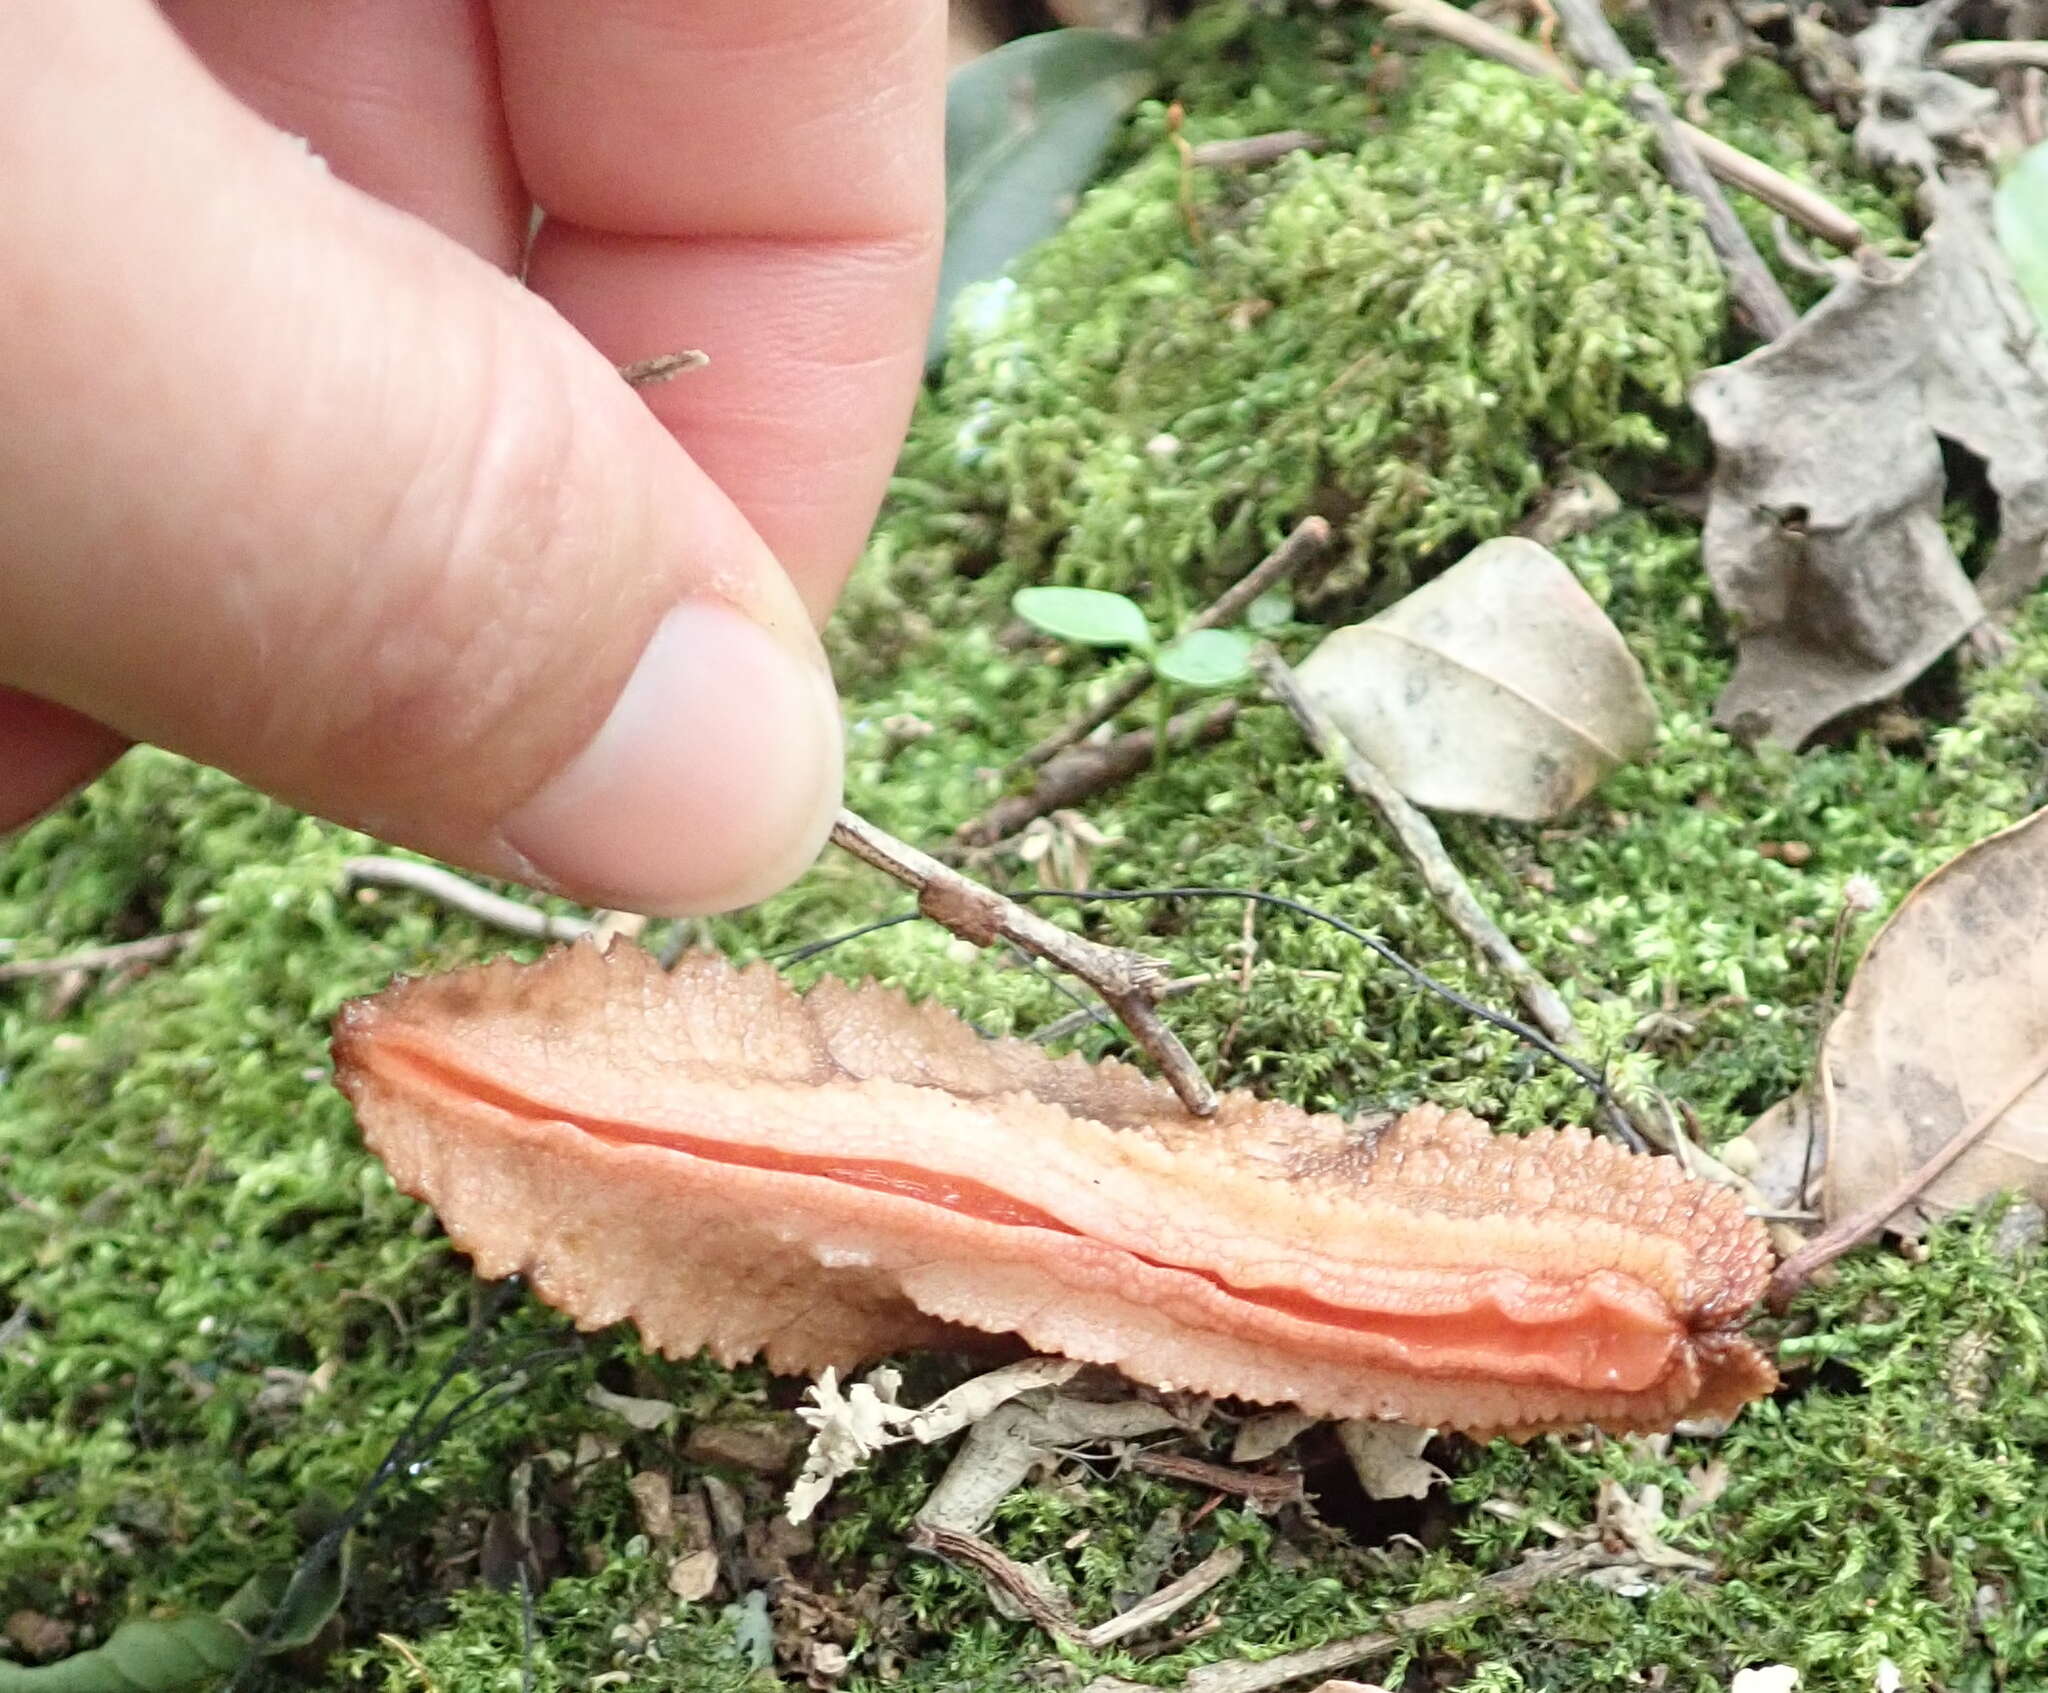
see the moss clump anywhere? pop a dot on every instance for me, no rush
(227, 1309)
(1482, 273)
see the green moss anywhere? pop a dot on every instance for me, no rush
(1478, 281)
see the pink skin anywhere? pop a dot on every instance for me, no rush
(398, 536)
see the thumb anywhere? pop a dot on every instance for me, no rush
(293, 485)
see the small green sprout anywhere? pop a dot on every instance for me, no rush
(1202, 658)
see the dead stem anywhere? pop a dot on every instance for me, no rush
(1755, 289)
(1812, 212)
(1306, 541)
(1825, 1247)
(1174, 1597)
(151, 949)
(1266, 1492)
(1510, 1586)
(1081, 772)
(1129, 982)
(463, 896)
(1424, 848)
(1250, 150)
(1025, 1586)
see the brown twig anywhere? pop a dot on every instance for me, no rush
(1424, 849)
(1025, 1586)
(1510, 1586)
(1268, 1492)
(1811, 211)
(1838, 1238)
(151, 949)
(1305, 541)
(1755, 289)
(463, 896)
(1175, 1596)
(1129, 982)
(646, 373)
(1251, 150)
(1080, 772)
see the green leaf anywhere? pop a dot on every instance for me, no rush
(142, 1657)
(1026, 126)
(2020, 213)
(1087, 616)
(1274, 609)
(1207, 658)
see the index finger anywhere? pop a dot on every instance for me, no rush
(764, 180)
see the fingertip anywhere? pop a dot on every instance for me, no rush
(47, 753)
(711, 784)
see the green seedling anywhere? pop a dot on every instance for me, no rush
(1203, 659)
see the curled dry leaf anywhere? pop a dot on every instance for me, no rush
(825, 1179)
(1387, 1458)
(1824, 537)
(1499, 688)
(1946, 1020)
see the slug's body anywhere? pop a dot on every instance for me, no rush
(825, 1179)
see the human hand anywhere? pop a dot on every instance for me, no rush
(308, 488)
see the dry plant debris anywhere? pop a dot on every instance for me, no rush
(1499, 688)
(826, 1179)
(1824, 538)
(1932, 1077)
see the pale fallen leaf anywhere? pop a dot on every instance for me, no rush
(1946, 1021)
(1704, 40)
(1638, 1521)
(849, 1428)
(1913, 117)
(692, 1576)
(1499, 688)
(1262, 1435)
(1388, 1458)
(1823, 537)
(1767, 1678)
(646, 1415)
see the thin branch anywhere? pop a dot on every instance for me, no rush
(151, 949)
(1813, 212)
(1081, 772)
(1306, 541)
(1424, 848)
(1794, 1273)
(1267, 1492)
(1060, 1028)
(1175, 1596)
(1024, 1585)
(1976, 57)
(1253, 150)
(1510, 1586)
(1129, 982)
(463, 896)
(1750, 281)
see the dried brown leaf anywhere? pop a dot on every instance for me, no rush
(1946, 1018)
(1499, 688)
(1824, 537)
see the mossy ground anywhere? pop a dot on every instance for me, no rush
(1481, 283)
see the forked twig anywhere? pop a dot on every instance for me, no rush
(1081, 772)
(1129, 982)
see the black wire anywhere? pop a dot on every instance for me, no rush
(1594, 1079)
